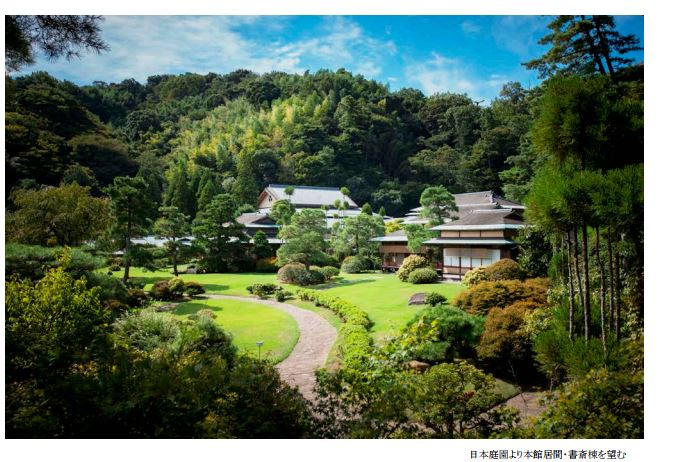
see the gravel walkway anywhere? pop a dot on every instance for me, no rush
(316, 337)
(527, 404)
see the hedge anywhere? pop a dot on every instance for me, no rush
(423, 276)
(357, 343)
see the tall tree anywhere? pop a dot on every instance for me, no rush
(304, 238)
(130, 209)
(583, 45)
(438, 204)
(172, 225)
(218, 232)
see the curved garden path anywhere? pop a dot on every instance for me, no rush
(316, 337)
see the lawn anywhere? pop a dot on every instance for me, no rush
(382, 296)
(250, 323)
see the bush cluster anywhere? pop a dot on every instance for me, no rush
(194, 288)
(357, 343)
(266, 265)
(355, 264)
(435, 299)
(474, 276)
(504, 269)
(410, 264)
(281, 295)
(262, 290)
(423, 276)
(480, 298)
(329, 272)
(136, 297)
(169, 289)
(31, 261)
(296, 273)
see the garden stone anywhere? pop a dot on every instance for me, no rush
(417, 299)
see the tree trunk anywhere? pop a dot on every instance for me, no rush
(601, 270)
(604, 46)
(595, 50)
(570, 286)
(617, 298)
(610, 267)
(128, 240)
(174, 259)
(587, 285)
(577, 273)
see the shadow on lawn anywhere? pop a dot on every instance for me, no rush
(194, 307)
(341, 282)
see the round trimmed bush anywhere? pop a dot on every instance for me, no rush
(410, 264)
(161, 291)
(504, 269)
(355, 264)
(290, 272)
(435, 299)
(310, 277)
(136, 297)
(423, 276)
(177, 286)
(329, 272)
(207, 313)
(194, 288)
(474, 276)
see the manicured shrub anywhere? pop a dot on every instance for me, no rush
(435, 299)
(116, 306)
(356, 347)
(266, 265)
(504, 269)
(136, 297)
(289, 273)
(177, 286)
(329, 272)
(262, 290)
(410, 264)
(207, 313)
(310, 278)
(504, 338)
(194, 288)
(480, 298)
(458, 333)
(474, 276)
(281, 295)
(161, 291)
(423, 276)
(355, 264)
(114, 268)
(347, 311)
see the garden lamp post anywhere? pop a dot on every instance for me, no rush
(260, 343)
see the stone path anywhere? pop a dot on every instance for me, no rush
(316, 337)
(527, 404)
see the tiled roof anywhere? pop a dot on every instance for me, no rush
(310, 195)
(500, 218)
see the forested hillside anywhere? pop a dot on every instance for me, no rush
(198, 135)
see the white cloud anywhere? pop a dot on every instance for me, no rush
(151, 45)
(440, 74)
(519, 34)
(470, 27)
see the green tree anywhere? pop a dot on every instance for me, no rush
(417, 235)
(438, 204)
(54, 36)
(130, 209)
(354, 234)
(84, 176)
(218, 232)
(179, 193)
(65, 215)
(304, 239)
(583, 45)
(282, 212)
(172, 225)
(260, 246)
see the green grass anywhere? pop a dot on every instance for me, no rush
(250, 323)
(382, 296)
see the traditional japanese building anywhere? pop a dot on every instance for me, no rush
(303, 197)
(481, 232)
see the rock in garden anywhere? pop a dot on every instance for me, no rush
(417, 299)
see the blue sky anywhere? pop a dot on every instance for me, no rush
(464, 54)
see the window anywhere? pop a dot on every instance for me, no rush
(470, 257)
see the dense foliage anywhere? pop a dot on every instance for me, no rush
(411, 263)
(482, 297)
